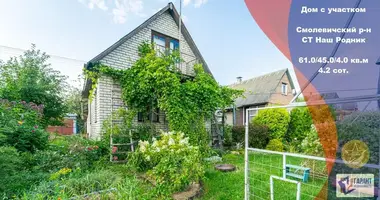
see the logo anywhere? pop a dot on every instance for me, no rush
(355, 185)
(355, 154)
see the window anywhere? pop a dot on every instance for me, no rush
(163, 42)
(155, 116)
(284, 88)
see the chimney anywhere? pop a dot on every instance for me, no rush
(239, 79)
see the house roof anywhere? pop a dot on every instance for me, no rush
(172, 10)
(258, 90)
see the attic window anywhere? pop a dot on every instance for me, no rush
(163, 42)
(284, 88)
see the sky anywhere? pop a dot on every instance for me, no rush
(75, 31)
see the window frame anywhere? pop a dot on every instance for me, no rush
(167, 38)
(282, 88)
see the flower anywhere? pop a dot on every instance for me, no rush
(89, 148)
(114, 149)
(171, 142)
(115, 158)
(96, 147)
(35, 126)
(20, 122)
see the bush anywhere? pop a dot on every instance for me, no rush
(70, 152)
(275, 145)
(363, 126)
(299, 125)
(171, 162)
(277, 121)
(19, 126)
(258, 135)
(76, 184)
(311, 144)
(227, 136)
(15, 172)
(238, 134)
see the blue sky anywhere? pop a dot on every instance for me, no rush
(224, 31)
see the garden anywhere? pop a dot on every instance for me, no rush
(35, 164)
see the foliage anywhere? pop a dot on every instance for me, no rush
(258, 135)
(30, 78)
(19, 126)
(15, 172)
(363, 126)
(154, 81)
(277, 121)
(171, 162)
(238, 134)
(73, 102)
(275, 145)
(311, 144)
(75, 184)
(227, 136)
(299, 125)
(71, 152)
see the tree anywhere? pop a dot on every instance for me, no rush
(30, 78)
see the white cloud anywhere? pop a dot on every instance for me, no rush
(125, 7)
(198, 3)
(186, 2)
(95, 3)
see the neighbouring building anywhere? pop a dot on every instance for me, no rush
(69, 126)
(341, 110)
(274, 88)
(162, 29)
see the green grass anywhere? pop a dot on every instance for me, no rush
(230, 185)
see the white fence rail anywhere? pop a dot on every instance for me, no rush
(268, 174)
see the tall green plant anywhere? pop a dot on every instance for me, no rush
(154, 81)
(277, 121)
(299, 125)
(30, 78)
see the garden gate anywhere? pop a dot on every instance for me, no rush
(285, 175)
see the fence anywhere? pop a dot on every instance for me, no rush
(285, 175)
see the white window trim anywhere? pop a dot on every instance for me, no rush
(286, 89)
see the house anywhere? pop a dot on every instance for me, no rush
(69, 127)
(162, 29)
(275, 88)
(341, 110)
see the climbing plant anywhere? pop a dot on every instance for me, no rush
(154, 81)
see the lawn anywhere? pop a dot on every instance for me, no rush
(230, 185)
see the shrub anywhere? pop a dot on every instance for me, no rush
(227, 136)
(171, 162)
(70, 152)
(19, 126)
(277, 121)
(238, 134)
(76, 184)
(363, 126)
(15, 172)
(275, 145)
(258, 135)
(311, 144)
(299, 125)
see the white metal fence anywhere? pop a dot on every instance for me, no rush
(270, 174)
